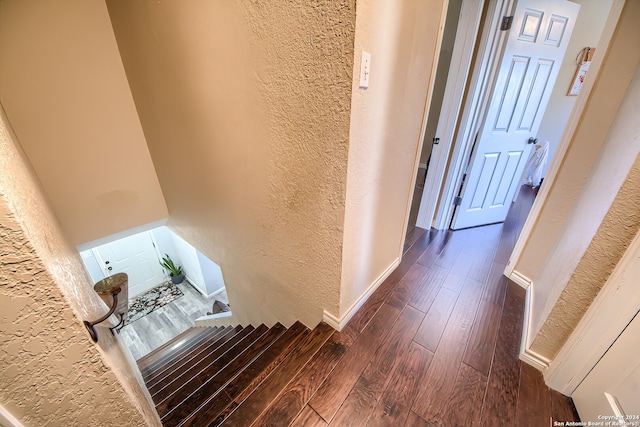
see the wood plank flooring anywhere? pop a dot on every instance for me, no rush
(158, 327)
(436, 345)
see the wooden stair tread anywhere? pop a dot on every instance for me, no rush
(151, 357)
(176, 351)
(169, 373)
(202, 386)
(231, 375)
(249, 378)
(172, 394)
(207, 411)
(270, 388)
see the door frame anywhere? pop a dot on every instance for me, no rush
(436, 205)
(457, 77)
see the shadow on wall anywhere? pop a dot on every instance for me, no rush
(138, 254)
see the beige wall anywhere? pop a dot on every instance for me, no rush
(245, 107)
(585, 224)
(586, 33)
(51, 373)
(561, 303)
(581, 154)
(386, 121)
(63, 87)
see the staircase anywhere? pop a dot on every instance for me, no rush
(227, 375)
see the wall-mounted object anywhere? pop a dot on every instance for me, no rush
(365, 69)
(114, 291)
(583, 61)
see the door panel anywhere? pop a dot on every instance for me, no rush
(506, 106)
(533, 52)
(538, 88)
(136, 256)
(612, 388)
(513, 161)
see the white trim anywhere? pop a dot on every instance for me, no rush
(423, 127)
(611, 311)
(480, 88)
(466, 34)
(122, 234)
(338, 323)
(216, 292)
(527, 355)
(519, 279)
(219, 319)
(191, 282)
(567, 136)
(6, 419)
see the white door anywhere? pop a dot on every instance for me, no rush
(612, 388)
(532, 56)
(136, 256)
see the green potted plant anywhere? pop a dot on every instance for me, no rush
(175, 271)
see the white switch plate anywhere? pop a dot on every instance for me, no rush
(365, 69)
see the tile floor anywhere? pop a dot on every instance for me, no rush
(150, 332)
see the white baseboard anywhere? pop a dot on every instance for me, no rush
(214, 293)
(527, 355)
(520, 279)
(338, 323)
(6, 419)
(192, 283)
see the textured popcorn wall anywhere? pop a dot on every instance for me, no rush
(618, 227)
(612, 239)
(245, 106)
(51, 373)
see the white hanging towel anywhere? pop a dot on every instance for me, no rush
(533, 170)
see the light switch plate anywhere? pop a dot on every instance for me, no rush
(365, 69)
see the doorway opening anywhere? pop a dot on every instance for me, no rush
(447, 164)
(435, 108)
(159, 310)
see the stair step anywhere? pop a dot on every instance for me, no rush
(172, 394)
(234, 376)
(220, 404)
(294, 398)
(202, 386)
(149, 358)
(202, 414)
(262, 397)
(176, 351)
(217, 347)
(179, 366)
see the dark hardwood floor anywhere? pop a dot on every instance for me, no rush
(436, 345)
